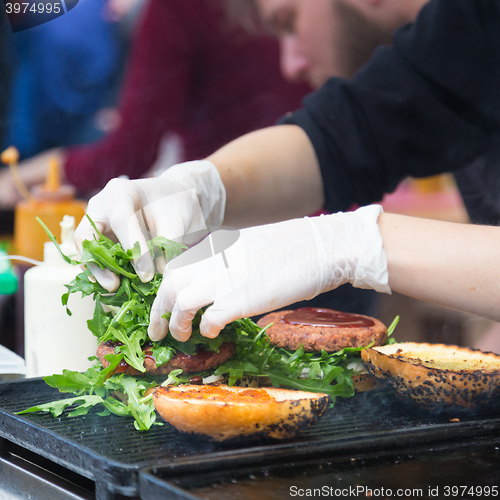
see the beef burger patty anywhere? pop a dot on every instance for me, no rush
(189, 363)
(318, 329)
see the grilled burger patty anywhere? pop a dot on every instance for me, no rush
(189, 363)
(315, 337)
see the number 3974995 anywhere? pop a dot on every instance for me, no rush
(35, 8)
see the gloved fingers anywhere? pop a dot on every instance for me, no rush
(85, 231)
(160, 263)
(165, 214)
(201, 290)
(114, 211)
(175, 280)
(181, 323)
(175, 289)
(182, 207)
(163, 303)
(158, 325)
(130, 229)
(185, 222)
(106, 278)
(199, 293)
(228, 308)
(218, 315)
(98, 209)
(127, 232)
(171, 228)
(158, 328)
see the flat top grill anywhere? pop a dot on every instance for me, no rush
(109, 450)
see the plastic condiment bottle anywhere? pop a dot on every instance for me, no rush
(53, 339)
(50, 201)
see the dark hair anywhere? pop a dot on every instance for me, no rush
(243, 13)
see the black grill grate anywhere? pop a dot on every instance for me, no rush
(110, 451)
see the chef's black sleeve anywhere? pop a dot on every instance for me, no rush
(428, 104)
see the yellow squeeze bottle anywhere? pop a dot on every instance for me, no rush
(51, 202)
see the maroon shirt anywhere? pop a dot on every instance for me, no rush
(193, 74)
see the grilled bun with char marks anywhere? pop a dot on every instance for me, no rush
(219, 413)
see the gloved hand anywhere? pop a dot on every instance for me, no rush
(182, 204)
(268, 267)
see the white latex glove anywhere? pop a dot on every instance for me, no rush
(268, 267)
(182, 204)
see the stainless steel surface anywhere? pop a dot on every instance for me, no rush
(22, 480)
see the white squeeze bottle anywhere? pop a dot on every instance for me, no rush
(53, 340)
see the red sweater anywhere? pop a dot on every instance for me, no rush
(189, 73)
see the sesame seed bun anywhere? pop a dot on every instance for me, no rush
(433, 375)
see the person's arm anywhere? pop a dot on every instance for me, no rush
(453, 265)
(269, 175)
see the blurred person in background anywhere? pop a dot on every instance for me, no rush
(327, 38)
(6, 219)
(65, 71)
(191, 74)
(5, 72)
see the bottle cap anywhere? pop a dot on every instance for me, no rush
(51, 255)
(53, 191)
(10, 155)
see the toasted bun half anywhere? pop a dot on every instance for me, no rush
(363, 382)
(433, 375)
(218, 413)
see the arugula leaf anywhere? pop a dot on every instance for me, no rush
(100, 321)
(53, 239)
(94, 252)
(103, 239)
(162, 354)
(57, 407)
(390, 331)
(96, 380)
(92, 379)
(69, 381)
(143, 412)
(172, 378)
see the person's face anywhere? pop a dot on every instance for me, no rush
(321, 38)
